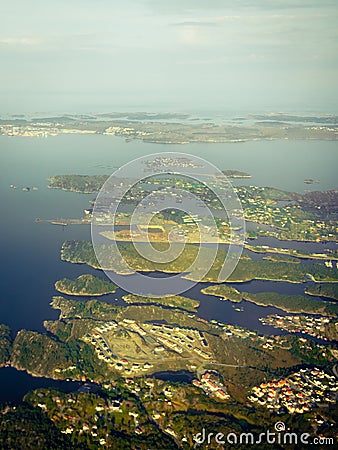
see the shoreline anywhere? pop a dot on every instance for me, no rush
(209, 280)
(283, 308)
(77, 294)
(36, 375)
(278, 251)
(333, 299)
(247, 246)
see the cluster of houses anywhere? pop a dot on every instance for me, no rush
(297, 393)
(313, 326)
(266, 342)
(180, 339)
(73, 414)
(211, 384)
(37, 129)
(161, 336)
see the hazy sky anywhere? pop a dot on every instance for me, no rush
(86, 55)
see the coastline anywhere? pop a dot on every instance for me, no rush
(204, 280)
(282, 307)
(38, 375)
(81, 294)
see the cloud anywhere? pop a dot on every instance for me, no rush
(141, 49)
(195, 23)
(19, 41)
(182, 6)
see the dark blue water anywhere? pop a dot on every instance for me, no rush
(14, 384)
(30, 252)
(314, 247)
(180, 376)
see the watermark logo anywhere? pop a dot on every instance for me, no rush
(168, 212)
(280, 426)
(282, 437)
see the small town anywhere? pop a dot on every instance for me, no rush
(311, 325)
(298, 393)
(132, 349)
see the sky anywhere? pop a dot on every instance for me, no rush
(169, 55)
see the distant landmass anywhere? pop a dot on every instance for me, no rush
(235, 174)
(284, 117)
(175, 128)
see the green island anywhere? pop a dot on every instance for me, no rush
(174, 301)
(39, 354)
(224, 291)
(289, 303)
(235, 174)
(84, 285)
(86, 184)
(293, 303)
(329, 290)
(82, 252)
(246, 270)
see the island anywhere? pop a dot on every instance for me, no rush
(85, 285)
(235, 174)
(86, 184)
(289, 303)
(173, 301)
(246, 269)
(224, 291)
(311, 181)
